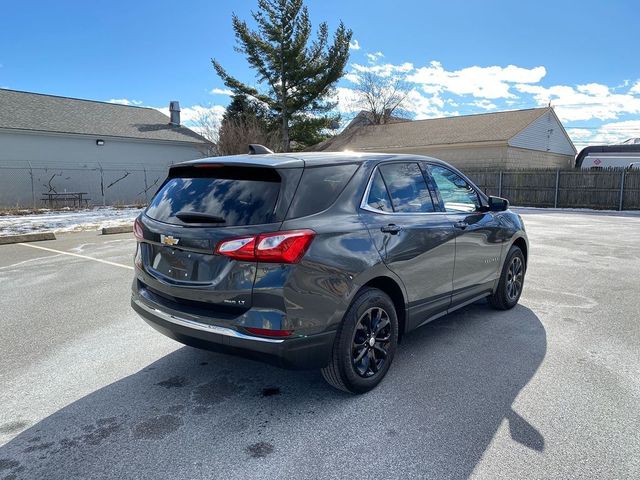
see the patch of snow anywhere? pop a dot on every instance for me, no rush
(68, 221)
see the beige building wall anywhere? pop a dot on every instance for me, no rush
(461, 157)
(522, 158)
(469, 157)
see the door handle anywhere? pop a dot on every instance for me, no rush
(392, 228)
(461, 225)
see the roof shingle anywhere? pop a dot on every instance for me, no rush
(48, 113)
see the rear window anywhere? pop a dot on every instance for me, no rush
(218, 196)
(319, 187)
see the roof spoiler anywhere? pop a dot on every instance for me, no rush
(256, 149)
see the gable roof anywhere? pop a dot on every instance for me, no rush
(49, 113)
(485, 127)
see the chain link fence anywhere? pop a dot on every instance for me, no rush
(27, 185)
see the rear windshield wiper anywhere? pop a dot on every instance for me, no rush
(195, 217)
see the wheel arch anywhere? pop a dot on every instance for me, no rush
(394, 290)
(521, 243)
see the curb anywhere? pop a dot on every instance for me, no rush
(112, 230)
(27, 237)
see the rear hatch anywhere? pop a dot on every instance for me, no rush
(197, 207)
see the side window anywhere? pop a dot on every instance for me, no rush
(319, 187)
(407, 187)
(378, 196)
(457, 195)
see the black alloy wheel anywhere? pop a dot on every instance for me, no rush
(371, 342)
(515, 278)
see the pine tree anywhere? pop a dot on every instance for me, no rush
(297, 73)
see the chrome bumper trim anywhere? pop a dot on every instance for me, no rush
(202, 326)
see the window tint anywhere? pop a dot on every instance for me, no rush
(457, 195)
(407, 188)
(239, 196)
(378, 195)
(319, 187)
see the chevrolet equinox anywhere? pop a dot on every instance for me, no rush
(320, 260)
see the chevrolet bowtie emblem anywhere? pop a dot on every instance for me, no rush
(169, 240)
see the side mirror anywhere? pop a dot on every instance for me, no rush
(497, 204)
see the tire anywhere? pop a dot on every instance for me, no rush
(370, 308)
(511, 281)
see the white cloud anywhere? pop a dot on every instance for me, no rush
(635, 88)
(584, 102)
(189, 116)
(481, 82)
(384, 70)
(354, 45)
(421, 106)
(352, 77)
(124, 101)
(484, 104)
(347, 99)
(608, 133)
(374, 57)
(221, 91)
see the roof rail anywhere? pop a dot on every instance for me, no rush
(256, 149)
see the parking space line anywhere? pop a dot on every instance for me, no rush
(76, 255)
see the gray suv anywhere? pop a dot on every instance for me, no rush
(320, 260)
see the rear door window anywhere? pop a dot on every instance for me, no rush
(217, 196)
(407, 188)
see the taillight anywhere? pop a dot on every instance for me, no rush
(277, 247)
(137, 230)
(283, 247)
(242, 248)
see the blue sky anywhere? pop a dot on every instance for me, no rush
(459, 57)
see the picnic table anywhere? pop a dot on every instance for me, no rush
(76, 198)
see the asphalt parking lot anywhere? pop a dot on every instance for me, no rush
(550, 389)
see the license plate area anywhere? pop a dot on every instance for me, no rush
(180, 265)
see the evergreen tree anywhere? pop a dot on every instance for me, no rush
(297, 73)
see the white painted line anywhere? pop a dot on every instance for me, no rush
(76, 255)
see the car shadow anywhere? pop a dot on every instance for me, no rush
(197, 414)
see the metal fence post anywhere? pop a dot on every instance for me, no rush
(555, 200)
(33, 190)
(102, 184)
(622, 190)
(500, 184)
(146, 187)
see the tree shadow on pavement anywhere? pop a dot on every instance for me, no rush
(196, 414)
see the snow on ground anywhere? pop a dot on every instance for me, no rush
(67, 221)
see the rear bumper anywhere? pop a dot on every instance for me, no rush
(301, 353)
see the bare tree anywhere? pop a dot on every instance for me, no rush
(236, 134)
(208, 125)
(381, 96)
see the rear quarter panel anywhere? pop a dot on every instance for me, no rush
(316, 293)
